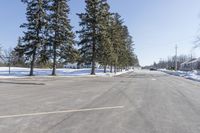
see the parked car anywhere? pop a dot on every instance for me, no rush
(153, 69)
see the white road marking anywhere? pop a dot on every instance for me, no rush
(153, 79)
(61, 112)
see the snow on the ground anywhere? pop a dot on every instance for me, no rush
(193, 75)
(17, 72)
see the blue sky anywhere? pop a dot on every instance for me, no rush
(156, 25)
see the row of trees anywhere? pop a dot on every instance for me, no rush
(48, 35)
(104, 38)
(170, 62)
(49, 39)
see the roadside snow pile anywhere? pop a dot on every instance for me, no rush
(193, 75)
(22, 72)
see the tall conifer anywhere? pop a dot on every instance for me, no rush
(61, 35)
(33, 35)
(91, 22)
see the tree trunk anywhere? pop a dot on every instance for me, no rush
(111, 68)
(105, 68)
(93, 58)
(115, 69)
(93, 65)
(32, 62)
(54, 61)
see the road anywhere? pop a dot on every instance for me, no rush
(137, 102)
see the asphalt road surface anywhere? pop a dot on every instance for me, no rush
(137, 102)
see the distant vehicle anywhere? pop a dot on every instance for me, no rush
(153, 69)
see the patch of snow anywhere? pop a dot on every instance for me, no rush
(193, 75)
(17, 72)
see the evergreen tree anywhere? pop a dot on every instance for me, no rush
(44, 56)
(18, 53)
(126, 48)
(89, 35)
(122, 43)
(116, 38)
(103, 37)
(34, 35)
(131, 57)
(61, 36)
(105, 49)
(0, 51)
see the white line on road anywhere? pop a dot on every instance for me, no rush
(153, 79)
(61, 112)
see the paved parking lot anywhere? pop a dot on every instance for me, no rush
(137, 102)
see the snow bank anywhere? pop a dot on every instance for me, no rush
(193, 75)
(17, 72)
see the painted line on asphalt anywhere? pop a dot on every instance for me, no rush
(61, 112)
(154, 79)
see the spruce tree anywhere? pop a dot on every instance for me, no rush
(89, 35)
(116, 38)
(125, 48)
(34, 34)
(131, 57)
(1, 52)
(1, 55)
(122, 43)
(105, 49)
(18, 53)
(61, 36)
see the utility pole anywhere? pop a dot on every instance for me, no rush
(176, 50)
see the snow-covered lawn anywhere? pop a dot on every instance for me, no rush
(17, 72)
(193, 75)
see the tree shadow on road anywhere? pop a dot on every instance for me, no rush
(19, 83)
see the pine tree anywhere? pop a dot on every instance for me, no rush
(116, 38)
(105, 49)
(122, 43)
(131, 57)
(18, 53)
(0, 51)
(126, 48)
(89, 36)
(61, 36)
(34, 35)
